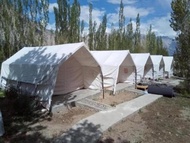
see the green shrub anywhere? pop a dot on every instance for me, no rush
(20, 104)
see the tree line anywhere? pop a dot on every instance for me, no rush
(180, 22)
(69, 28)
(23, 23)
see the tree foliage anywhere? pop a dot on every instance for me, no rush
(180, 22)
(22, 23)
(154, 44)
(67, 19)
(90, 40)
(123, 38)
(137, 35)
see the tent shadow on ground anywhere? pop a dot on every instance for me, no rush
(84, 132)
(22, 128)
(62, 99)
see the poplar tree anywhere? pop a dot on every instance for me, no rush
(22, 23)
(82, 30)
(121, 18)
(101, 35)
(137, 36)
(130, 36)
(74, 22)
(151, 43)
(90, 38)
(94, 35)
(67, 18)
(120, 37)
(61, 21)
(111, 38)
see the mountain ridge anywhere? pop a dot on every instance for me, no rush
(170, 44)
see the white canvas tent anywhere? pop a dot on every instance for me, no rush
(158, 64)
(117, 66)
(144, 65)
(44, 71)
(168, 61)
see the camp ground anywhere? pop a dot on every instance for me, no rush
(169, 62)
(52, 70)
(144, 65)
(158, 65)
(117, 67)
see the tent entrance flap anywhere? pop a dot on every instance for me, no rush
(92, 77)
(69, 77)
(126, 74)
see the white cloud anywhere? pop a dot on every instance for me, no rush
(160, 25)
(113, 18)
(91, 1)
(51, 26)
(124, 1)
(51, 6)
(97, 14)
(129, 12)
(165, 3)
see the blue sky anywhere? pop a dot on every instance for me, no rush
(154, 12)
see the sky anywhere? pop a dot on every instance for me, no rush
(152, 12)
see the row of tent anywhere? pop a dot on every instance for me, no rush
(60, 69)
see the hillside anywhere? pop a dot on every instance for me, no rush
(169, 43)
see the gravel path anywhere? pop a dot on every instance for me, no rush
(93, 104)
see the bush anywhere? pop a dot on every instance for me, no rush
(183, 88)
(18, 103)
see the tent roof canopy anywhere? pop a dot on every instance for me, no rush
(157, 59)
(34, 64)
(168, 61)
(141, 59)
(49, 55)
(113, 58)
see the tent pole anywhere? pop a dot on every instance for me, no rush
(135, 78)
(102, 82)
(103, 86)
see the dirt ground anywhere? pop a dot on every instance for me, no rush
(119, 98)
(46, 128)
(165, 121)
(43, 129)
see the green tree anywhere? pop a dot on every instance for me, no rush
(137, 36)
(120, 33)
(94, 35)
(180, 22)
(67, 18)
(90, 40)
(82, 30)
(130, 35)
(121, 18)
(74, 22)
(151, 43)
(101, 35)
(22, 23)
(61, 21)
(111, 38)
(160, 50)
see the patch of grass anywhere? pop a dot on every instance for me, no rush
(2, 95)
(19, 113)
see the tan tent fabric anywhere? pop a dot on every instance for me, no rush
(117, 66)
(59, 69)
